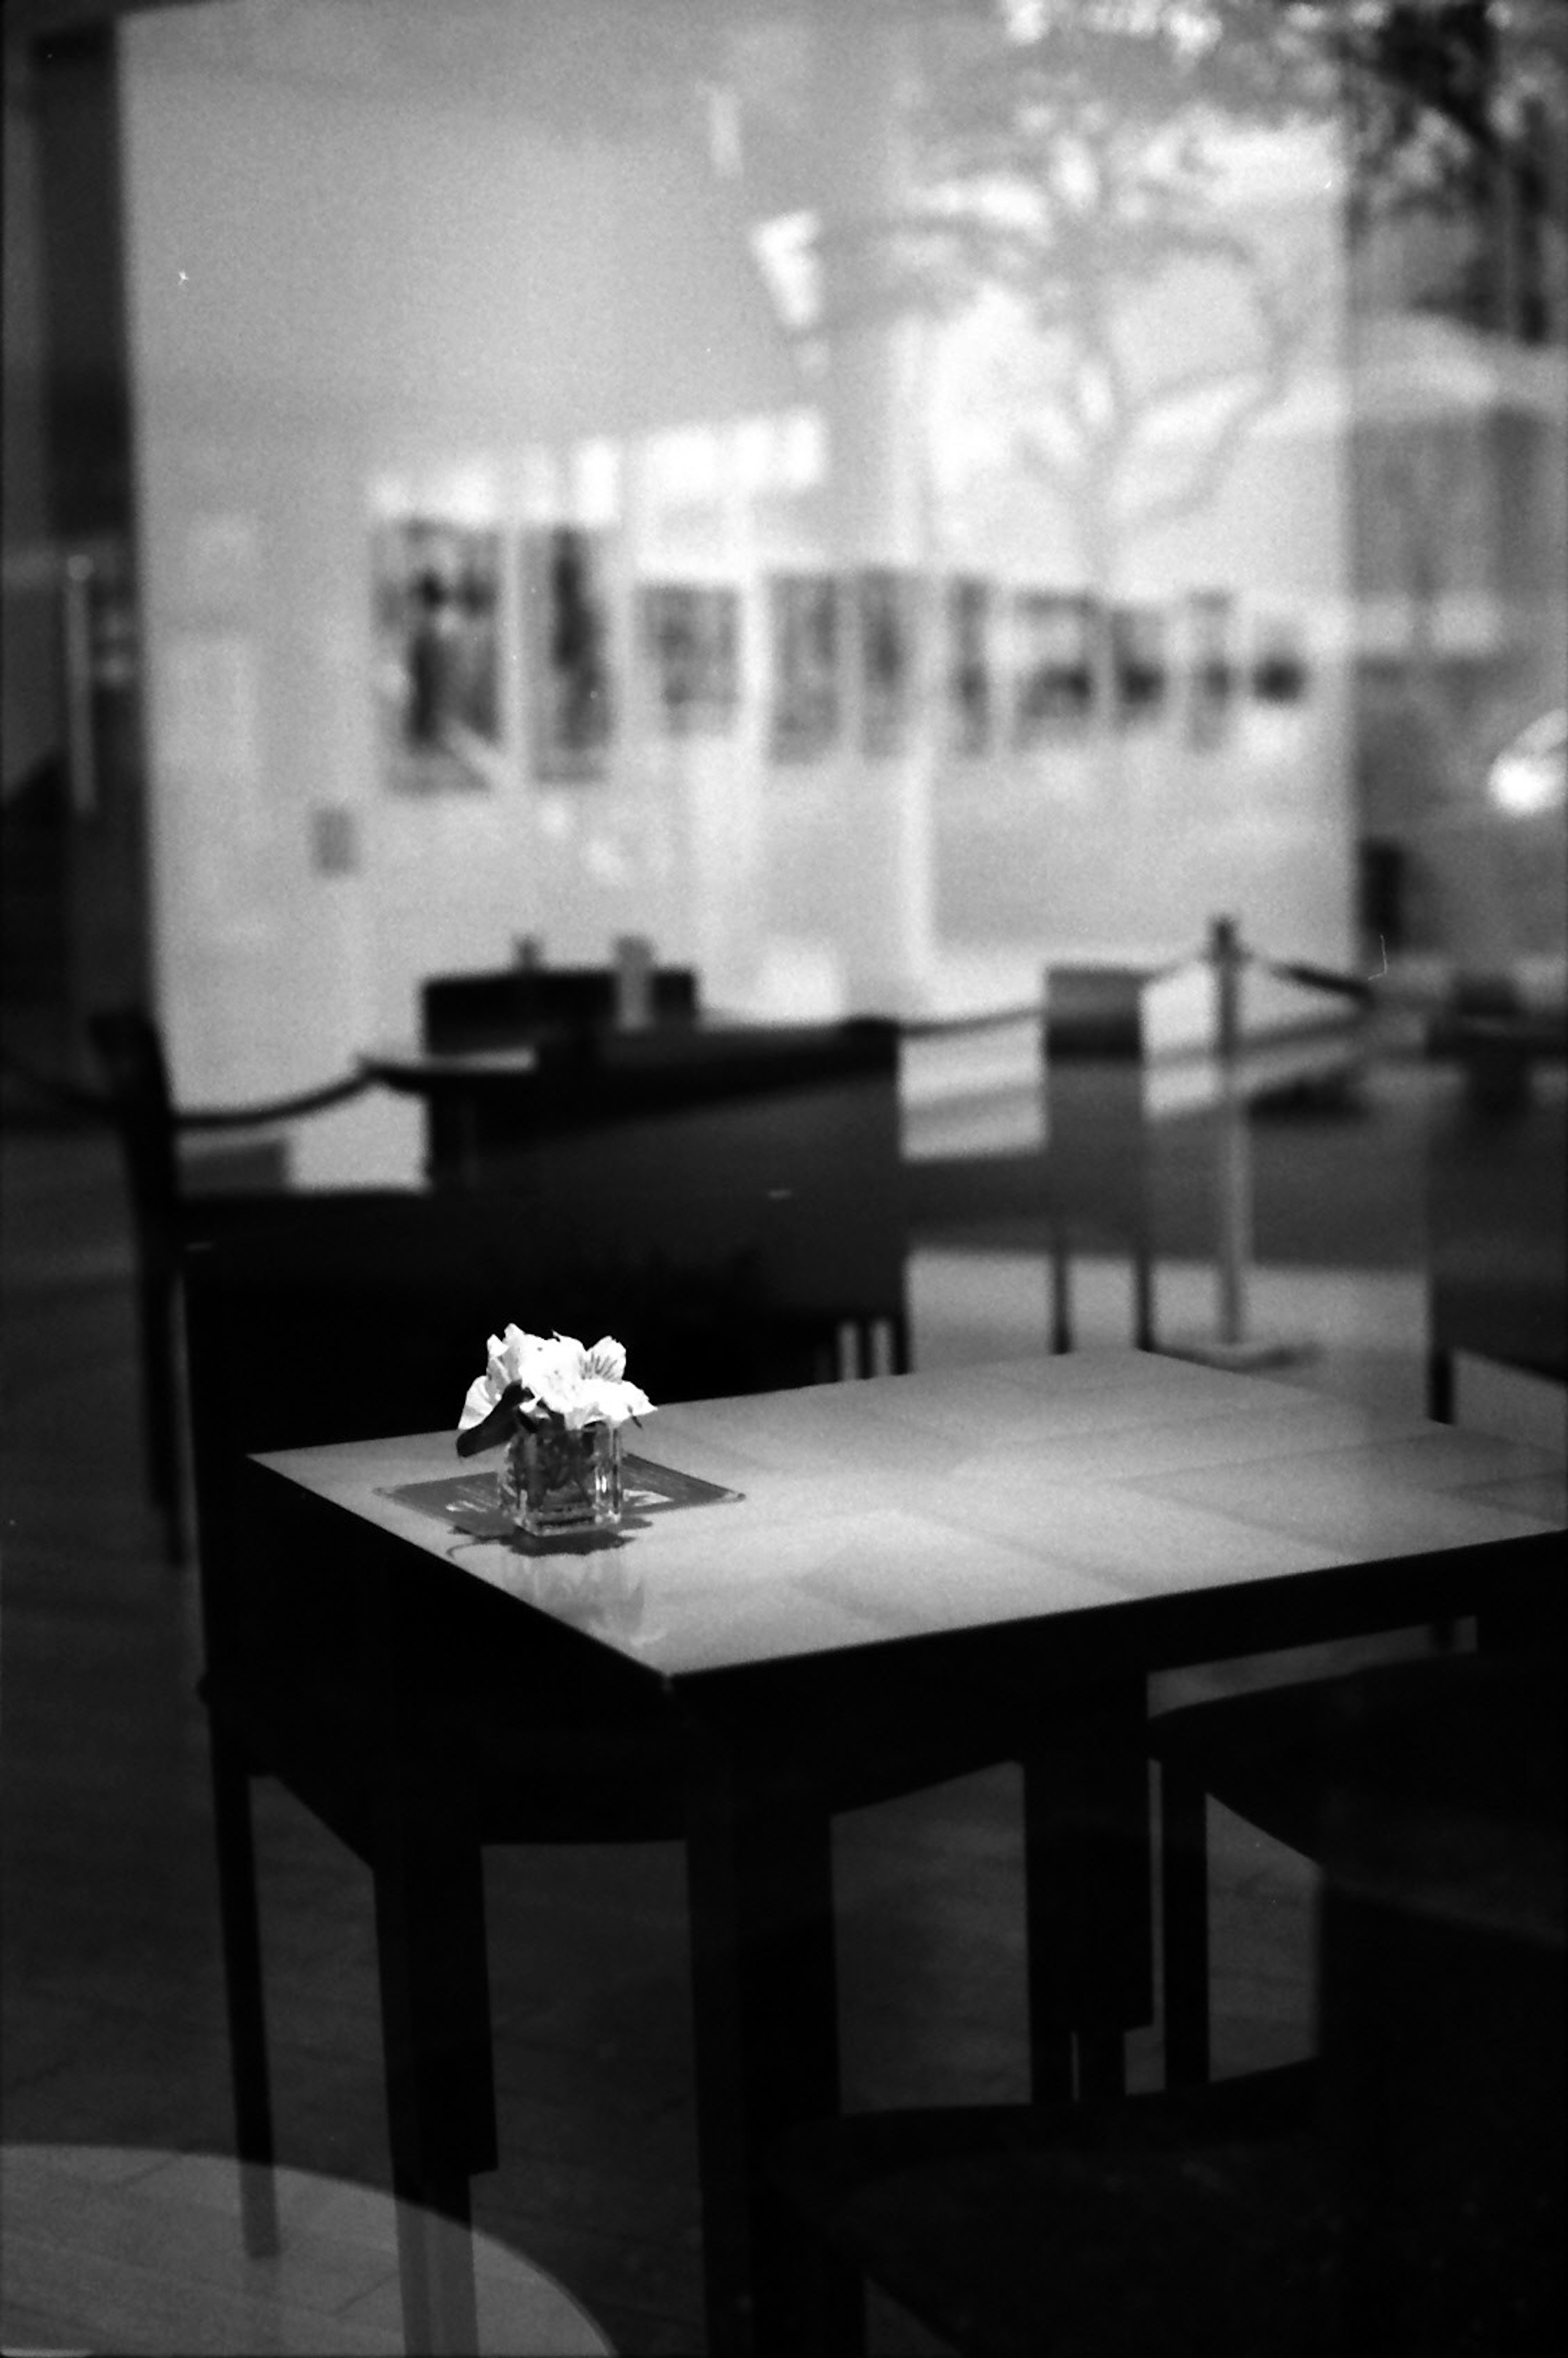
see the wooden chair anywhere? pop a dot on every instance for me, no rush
(1265, 1757)
(1100, 1159)
(1497, 1188)
(1496, 1286)
(165, 1216)
(359, 1316)
(508, 1008)
(1268, 1758)
(655, 1135)
(1402, 2193)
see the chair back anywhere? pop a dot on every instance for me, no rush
(349, 1315)
(129, 1052)
(1441, 2009)
(772, 1149)
(464, 1012)
(362, 1315)
(1496, 1222)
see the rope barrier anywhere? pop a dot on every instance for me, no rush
(1315, 978)
(102, 1103)
(931, 1027)
(253, 1117)
(935, 1027)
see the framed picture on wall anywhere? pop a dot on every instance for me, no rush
(888, 608)
(1138, 664)
(1210, 666)
(1057, 651)
(969, 684)
(691, 643)
(436, 589)
(803, 612)
(567, 620)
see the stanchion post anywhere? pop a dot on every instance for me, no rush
(1235, 1155)
(1233, 1173)
(633, 973)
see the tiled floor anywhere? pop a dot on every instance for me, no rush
(129, 2247)
(113, 2030)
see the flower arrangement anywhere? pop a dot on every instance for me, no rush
(558, 1408)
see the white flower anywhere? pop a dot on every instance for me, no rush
(556, 1376)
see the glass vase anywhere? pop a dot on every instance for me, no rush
(559, 1481)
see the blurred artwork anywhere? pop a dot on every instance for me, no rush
(1056, 667)
(969, 692)
(1210, 666)
(566, 594)
(806, 687)
(691, 641)
(1138, 664)
(888, 604)
(436, 596)
(1279, 661)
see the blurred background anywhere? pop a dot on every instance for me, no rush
(873, 498)
(847, 509)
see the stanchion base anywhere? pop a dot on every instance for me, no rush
(1245, 1358)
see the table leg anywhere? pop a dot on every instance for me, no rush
(765, 2020)
(234, 1830)
(1087, 1859)
(435, 2004)
(427, 1868)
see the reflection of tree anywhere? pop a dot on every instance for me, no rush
(1066, 162)
(1457, 110)
(1068, 157)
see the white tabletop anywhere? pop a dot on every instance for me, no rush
(912, 1505)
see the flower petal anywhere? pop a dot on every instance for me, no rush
(607, 1357)
(481, 1398)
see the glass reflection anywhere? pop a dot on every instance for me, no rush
(873, 499)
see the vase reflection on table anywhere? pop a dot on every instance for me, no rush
(559, 1409)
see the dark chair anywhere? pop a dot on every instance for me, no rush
(1497, 1283)
(1268, 1756)
(1496, 1201)
(165, 1216)
(508, 1009)
(1099, 1151)
(1402, 2193)
(665, 1129)
(1265, 1757)
(363, 1316)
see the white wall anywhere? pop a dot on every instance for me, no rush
(344, 295)
(361, 290)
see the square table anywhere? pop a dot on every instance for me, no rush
(843, 1560)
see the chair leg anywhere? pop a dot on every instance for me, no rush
(155, 1304)
(1439, 1408)
(1184, 1915)
(1061, 1293)
(1143, 1294)
(1440, 1386)
(1045, 1906)
(759, 1864)
(245, 1991)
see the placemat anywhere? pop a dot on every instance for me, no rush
(468, 1499)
